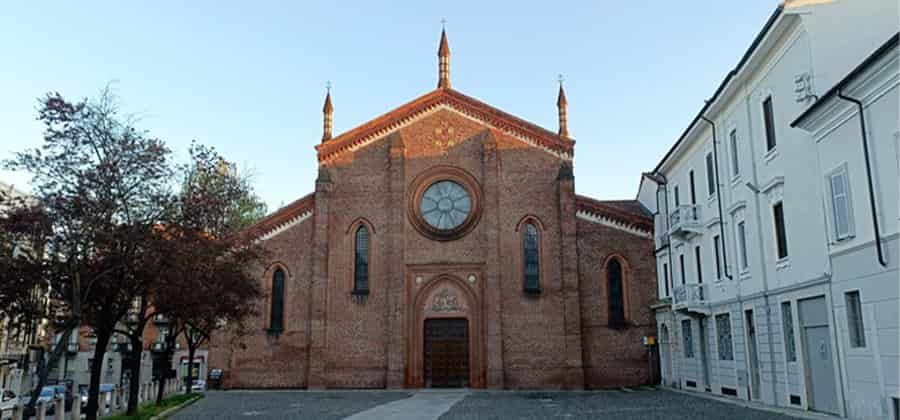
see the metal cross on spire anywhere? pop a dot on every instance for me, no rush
(560, 79)
(443, 24)
(328, 86)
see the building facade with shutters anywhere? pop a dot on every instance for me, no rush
(768, 271)
(444, 246)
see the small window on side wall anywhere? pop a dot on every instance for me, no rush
(769, 121)
(361, 262)
(855, 325)
(616, 294)
(531, 259)
(276, 316)
(841, 210)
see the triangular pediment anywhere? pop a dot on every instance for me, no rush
(453, 101)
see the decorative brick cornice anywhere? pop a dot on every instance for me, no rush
(447, 99)
(282, 219)
(627, 215)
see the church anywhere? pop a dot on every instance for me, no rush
(444, 246)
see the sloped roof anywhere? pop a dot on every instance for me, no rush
(467, 105)
(282, 217)
(629, 213)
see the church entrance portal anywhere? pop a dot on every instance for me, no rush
(446, 353)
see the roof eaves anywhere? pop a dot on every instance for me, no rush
(770, 23)
(880, 52)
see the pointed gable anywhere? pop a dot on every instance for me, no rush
(454, 101)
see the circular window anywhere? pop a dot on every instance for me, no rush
(444, 203)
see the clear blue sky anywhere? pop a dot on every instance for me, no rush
(249, 77)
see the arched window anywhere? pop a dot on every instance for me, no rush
(361, 262)
(616, 294)
(276, 319)
(532, 263)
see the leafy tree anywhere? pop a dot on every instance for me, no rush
(102, 185)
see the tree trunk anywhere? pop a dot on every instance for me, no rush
(134, 367)
(96, 369)
(190, 376)
(43, 367)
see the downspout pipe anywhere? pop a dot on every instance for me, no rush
(719, 197)
(663, 182)
(865, 145)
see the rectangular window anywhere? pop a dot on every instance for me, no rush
(787, 323)
(840, 204)
(717, 243)
(710, 174)
(688, 338)
(699, 265)
(693, 189)
(666, 278)
(723, 333)
(855, 320)
(733, 143)
(769, 120)
(780, 234)
(681, 262)
(677, 197)
(742, 245)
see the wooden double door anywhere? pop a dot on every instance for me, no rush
(446, 351)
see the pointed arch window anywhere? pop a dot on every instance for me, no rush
(361, 261)
(532, 263)
(276, 317)
(616, 293)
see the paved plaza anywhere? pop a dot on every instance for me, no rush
(468, 404)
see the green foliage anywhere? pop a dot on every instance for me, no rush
(148, 410)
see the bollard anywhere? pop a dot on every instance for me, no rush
(41, 410)
(17, 411)
(76, 408)
(59, 411)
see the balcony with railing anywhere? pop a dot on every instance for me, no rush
(691, 298)
(686, 221)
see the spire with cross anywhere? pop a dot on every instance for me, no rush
(561, 105)
(444, 59)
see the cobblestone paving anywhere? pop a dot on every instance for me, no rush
(265, 405)
(477, 405)
(631, 405)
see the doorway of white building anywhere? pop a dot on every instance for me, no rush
(752, 359)
(818, 356)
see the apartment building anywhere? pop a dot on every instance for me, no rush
(759, 299)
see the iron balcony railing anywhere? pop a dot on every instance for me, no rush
(685, 218)
(689, 295)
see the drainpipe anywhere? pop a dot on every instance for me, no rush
(865, 145)
(663, 182)
(719, 198)
(762, 255)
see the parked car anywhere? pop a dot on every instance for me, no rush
(199, 385)
(48, 393)
(8, 401)
(215, 378)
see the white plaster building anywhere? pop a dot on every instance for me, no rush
(751, 280)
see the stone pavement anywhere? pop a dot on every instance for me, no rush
(468, 404)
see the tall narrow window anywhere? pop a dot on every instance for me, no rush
(787, 323)
(693, 188)
(855, 320)
(699, 264)
(532, 259)
(840, 204)
(742, 244)
(733, 143)
(717, 243)
(723, 335)
(666, 278)
(677, 197)
(361, 262)
(616, 294)
(780, 234)
(276, 318)
(681, 263)
(688, 338)
(710, 174)
(769, 121)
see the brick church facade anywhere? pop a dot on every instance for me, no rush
(444, 245)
